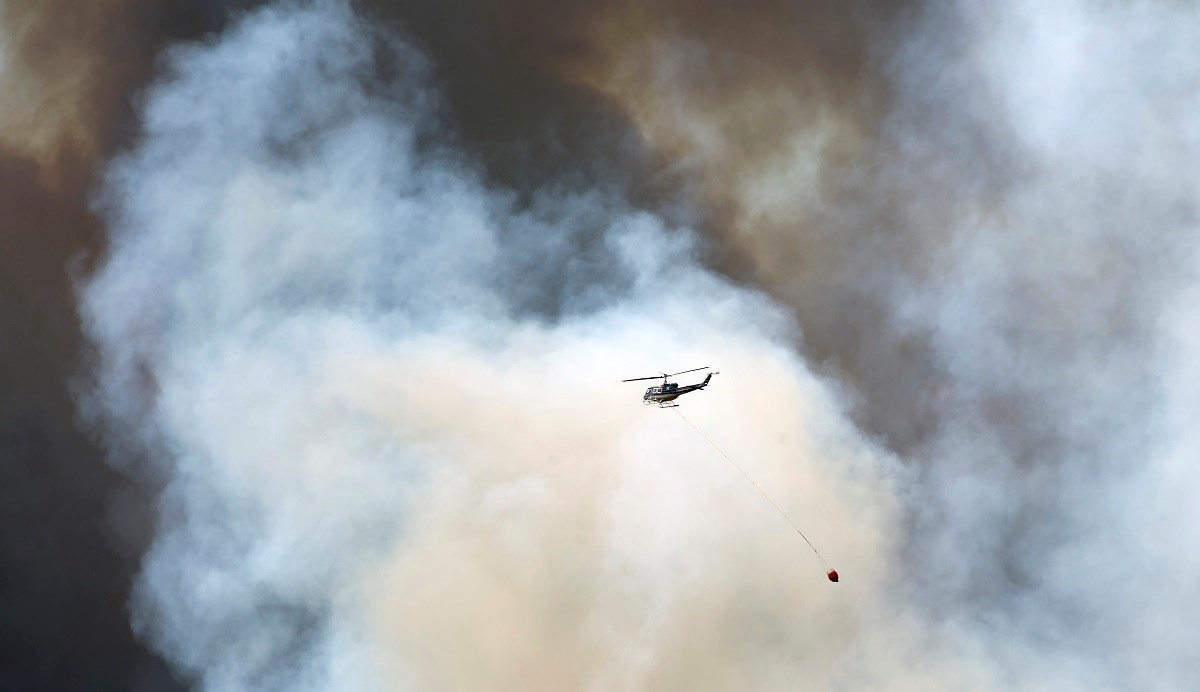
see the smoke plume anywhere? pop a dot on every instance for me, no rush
(388, 469)
(371, 271)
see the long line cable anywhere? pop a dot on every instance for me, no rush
(756, 486)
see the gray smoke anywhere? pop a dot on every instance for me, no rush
(994, 246)
(391, 463)
(1056, 311)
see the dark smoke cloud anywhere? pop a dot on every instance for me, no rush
(66, 577)
(775, 115)
(495, 66)
(744, 117)
(73, 529)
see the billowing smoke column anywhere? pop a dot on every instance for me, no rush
(388, 467)
(372, 343)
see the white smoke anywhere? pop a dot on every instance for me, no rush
(1054, 310)
(385, 402)
(384, 396)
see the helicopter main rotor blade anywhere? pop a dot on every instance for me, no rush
(665, 375)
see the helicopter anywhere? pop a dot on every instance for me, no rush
(667, 392)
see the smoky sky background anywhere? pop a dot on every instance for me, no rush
(976, 224)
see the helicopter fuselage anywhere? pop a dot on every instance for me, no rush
(670, 391)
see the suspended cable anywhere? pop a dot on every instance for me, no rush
(831, 573)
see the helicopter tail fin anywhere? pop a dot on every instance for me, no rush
(706, 379)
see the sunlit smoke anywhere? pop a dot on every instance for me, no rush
(50, 84)
(383, 387)
(388, 466)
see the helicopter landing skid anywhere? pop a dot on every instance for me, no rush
(668, 405)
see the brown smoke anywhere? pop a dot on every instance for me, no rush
(760, 121)
(71, 71)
